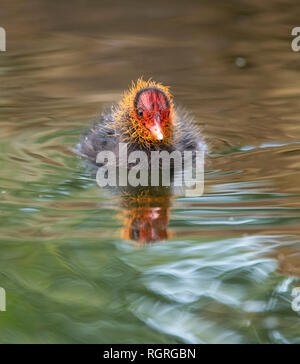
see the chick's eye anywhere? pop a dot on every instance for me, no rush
(139, 113)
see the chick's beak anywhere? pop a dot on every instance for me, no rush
(156, 129)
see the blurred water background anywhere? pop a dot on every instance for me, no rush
(72, 261)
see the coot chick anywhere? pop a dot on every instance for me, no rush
(145, 119)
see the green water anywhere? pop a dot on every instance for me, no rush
(226, 271)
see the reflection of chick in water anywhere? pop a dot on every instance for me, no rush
(146, 214)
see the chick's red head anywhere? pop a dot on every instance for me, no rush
(150, 111)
